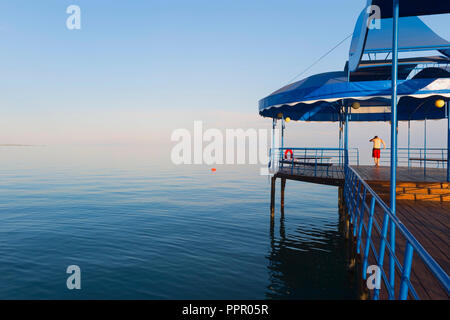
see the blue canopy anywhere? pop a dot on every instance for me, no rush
(412, 7)
(414, 35)
(320, 98)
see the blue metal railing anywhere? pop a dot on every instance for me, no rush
(356, 195)
(419, 157)
(312, 159)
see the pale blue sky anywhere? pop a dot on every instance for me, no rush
(138, 69)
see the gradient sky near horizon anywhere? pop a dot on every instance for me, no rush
(139, 69)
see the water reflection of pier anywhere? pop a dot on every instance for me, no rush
(310, 260)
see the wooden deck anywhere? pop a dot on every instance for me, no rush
(404, 174)
(332, 176)
(429, 222)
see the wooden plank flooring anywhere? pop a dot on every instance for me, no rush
(368, 173)
(404, 174)
(333, 175)
(429, 222)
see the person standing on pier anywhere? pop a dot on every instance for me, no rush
(376, 151)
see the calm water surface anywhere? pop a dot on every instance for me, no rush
(145, 229)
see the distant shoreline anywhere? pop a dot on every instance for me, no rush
(18, 145)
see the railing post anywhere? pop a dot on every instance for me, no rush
(358, 208)
(361, 222)
(345, 187)
(420, 157)
(407, 262)
(383, 235)
(346, 136)
(355, 201)
(443, 158)
(351, 192)
(412, 245)
(448, 142)
(340, 140)
(368, 240)
(393, 195)
(279, 156)
(270, 159)
(409, 142)
(293, 163)
(348, 178)
(315, 165)
(425, 148)
(354, 191)
(282, 160)
(274, 125)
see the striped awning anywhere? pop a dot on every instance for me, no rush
(321, 97)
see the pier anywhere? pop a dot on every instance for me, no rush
(412, 184)
(425, 212)
(396, 216)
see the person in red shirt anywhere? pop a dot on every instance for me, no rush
(376, 151)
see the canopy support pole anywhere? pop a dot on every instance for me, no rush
(340, 141)
(425, 147)
(346, 136)
(409, 143)
(393, 196)
(448, 142)
(272, 153)
(282, 133)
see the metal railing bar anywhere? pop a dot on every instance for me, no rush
(413, 290)
(431, 264)
(356, 192)
(361, 223)
(377, 225)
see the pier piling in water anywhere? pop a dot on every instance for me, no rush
(283, 187)
(272, 196)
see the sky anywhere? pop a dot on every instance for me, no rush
(139, 69)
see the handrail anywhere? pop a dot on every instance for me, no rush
(353, 179)
(423, 155)
(314, 148)
(418, 148)
(312, 161)
(336, 154)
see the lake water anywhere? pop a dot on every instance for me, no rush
(145, 229)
